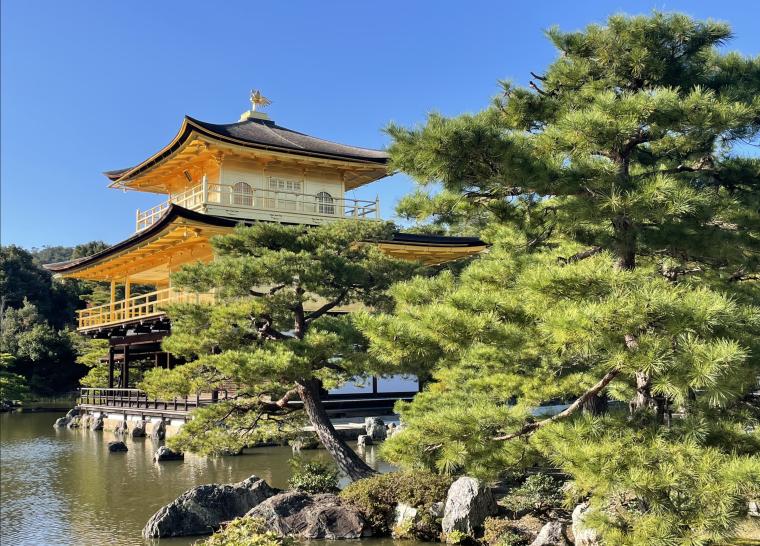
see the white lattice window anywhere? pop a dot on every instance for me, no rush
(242, 194)
(285, 184)
(325, 203)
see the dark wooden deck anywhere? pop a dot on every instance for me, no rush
(137, 401)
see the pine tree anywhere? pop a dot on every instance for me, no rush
(271, 334)
(624, 215)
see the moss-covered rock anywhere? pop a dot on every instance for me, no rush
(378, 496)
(247, 531)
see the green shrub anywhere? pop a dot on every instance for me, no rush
(457, 537)
(313, 476)
(538, 493)
(376, 497)
(502, 532)
(246, 531)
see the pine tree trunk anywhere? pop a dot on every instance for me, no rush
(596, 405)
(625, 236)
(643, 399)
(348, 461)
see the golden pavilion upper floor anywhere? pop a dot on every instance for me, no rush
(215, 176)
(254, 169)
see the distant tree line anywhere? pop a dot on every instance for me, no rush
(38, 339)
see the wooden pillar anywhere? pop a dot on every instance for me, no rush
(125, 369)
(127, 294)
(110, 366)
(113, 301)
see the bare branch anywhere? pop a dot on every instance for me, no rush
(538, 89)
(572, 408)
(326, 307)
(742, 275)
(540, 78)
(286, 398)
(580, 255)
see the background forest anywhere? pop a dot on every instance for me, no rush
(37, 314)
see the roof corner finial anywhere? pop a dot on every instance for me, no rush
(257, 101)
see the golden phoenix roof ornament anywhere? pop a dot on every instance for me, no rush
(258, 100)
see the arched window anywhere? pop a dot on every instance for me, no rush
(325, 203)
(242, 194)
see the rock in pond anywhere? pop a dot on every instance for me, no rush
(61, 422)
(551, 534)
(117, 447)
(306, 516)
(159, 431)
(468, 503)
(96, 423)
(375, 428)
(74, 422)
(163, 453)
(364, 440)
(202, 509)
(138, 431)
(121, 429)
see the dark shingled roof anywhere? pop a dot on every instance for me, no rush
(434, 240)
(168, 217)
(268, 133)
(175, 211)
(263, 134)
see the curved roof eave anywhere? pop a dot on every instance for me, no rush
(191, 125)
(174, 212)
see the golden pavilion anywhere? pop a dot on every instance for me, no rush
(213, 177)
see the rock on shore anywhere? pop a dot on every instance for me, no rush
(305, 516)
(202, 509)
(584, 536)
(468, 503)
(375, 428)
(552, 534)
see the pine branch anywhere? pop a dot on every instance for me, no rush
(267, 331)
(326, 307)
(572, 408)
(580, 255)
(538, 89)
(741, 275)
(540, 78)
(286, 398)
(270, 292)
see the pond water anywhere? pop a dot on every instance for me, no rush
(61, 486)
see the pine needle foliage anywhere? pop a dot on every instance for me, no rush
(624, 212)
(272, 335)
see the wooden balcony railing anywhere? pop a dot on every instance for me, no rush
(254, 199)
(138, 399)
(137, 307)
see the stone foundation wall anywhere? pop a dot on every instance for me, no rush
(114, 420)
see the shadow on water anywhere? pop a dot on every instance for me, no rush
(62, 487)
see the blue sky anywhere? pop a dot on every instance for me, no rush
(89, 86)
